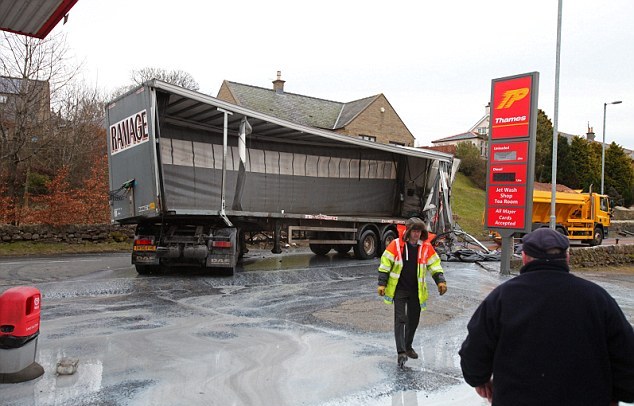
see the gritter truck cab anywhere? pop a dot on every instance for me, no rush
(196, 175)
(580, 216)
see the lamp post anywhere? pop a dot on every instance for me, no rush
(605, 105)
(553, 184)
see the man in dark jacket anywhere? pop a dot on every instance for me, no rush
(547, 337)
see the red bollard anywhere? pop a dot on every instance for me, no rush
(19, 329)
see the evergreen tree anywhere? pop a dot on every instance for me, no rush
(619, 173)
(564, 163)
(543, 148)
(581, 172)
(471, 163)
(595, 163)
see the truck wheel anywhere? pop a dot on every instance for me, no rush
(342, 249)
(228, 271)
(561, 230)
(367, 245)
(320, 249)
(388, 237)
(598, 236)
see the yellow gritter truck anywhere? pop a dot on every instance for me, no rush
(580, 216)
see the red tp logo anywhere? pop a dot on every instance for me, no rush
(511, 96)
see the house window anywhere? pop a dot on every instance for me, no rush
(483, 150)
(3, 99)
(400, 144)
(367, 138)
(482, 130)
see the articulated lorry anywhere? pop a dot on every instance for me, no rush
(583, 217)
(196, 175)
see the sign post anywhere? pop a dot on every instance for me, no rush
(511, 163)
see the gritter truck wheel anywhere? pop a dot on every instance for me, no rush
(598, 236)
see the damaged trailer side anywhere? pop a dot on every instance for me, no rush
(196, 173)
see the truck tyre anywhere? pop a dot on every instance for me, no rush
(561, 230)
(228, 271)
(147, 269)
(367, 246)
(388, 237)
(342, 249)
(598, 236)
(320, 249)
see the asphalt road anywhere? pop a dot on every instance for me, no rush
(290, 329)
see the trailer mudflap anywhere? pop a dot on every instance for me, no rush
(220, 261)
(144, 258)
(223, 249)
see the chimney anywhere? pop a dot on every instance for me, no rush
(590, 134)
(487, 109)
(278, 84)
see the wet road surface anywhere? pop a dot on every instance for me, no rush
(290, 329)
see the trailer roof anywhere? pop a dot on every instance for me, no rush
(197, 110)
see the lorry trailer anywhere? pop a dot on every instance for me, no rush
(195, 173)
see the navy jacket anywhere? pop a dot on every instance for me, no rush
(549, 337)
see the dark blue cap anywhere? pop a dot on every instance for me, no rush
(537, 243)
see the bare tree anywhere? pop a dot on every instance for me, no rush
(32, 74)
(79, 134)
(175, 77)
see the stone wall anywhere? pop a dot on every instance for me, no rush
(72, 234)
(608, 255)
(621, 213)
(595, 257)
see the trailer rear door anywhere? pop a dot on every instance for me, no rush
(134, 191)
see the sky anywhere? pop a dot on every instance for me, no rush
(433, 60)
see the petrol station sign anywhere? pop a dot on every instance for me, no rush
(511, 152)
(511, 107)
(510, 168)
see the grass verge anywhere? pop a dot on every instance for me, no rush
(24, 248)
(467, 204)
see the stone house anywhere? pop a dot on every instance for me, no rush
(24, 95)
(372, 118)
(478, 135)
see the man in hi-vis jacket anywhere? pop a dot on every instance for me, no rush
(404, 264)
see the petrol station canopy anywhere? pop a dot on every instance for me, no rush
(34, 18)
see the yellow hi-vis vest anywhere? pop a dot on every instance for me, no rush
(392, 263)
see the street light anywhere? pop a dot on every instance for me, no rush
(605, 105)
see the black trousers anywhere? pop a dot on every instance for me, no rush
(406, 318)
